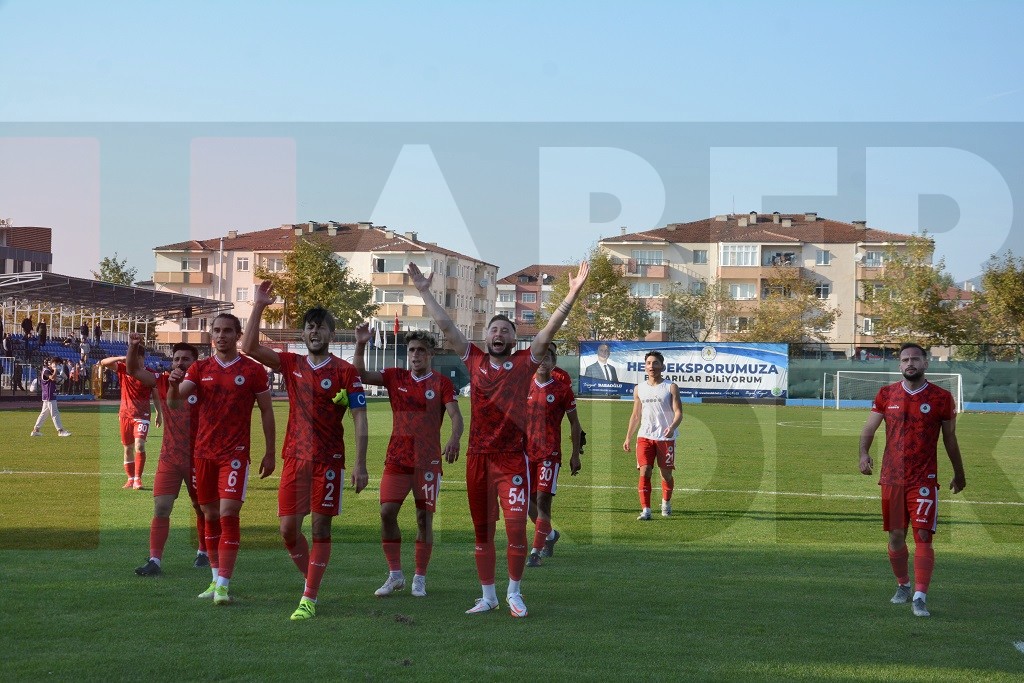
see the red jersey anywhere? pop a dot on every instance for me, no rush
(180, 426)
(546, 405)
(913, 421)
(226, 394)
(315, 431)
(498, 394)
(418, 408)
(135, 395)
(561, 375)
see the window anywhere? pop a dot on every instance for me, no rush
(739, 254)
(529, 316)
(19, 266)
(545, 297)
(506, 297)
(873, 259)
(698, 287)
(700, 255)
(648, 257)
(193, 324)
(389, 264)
(779, 258)
(823, 290)
(658, 319)
(645, 289)
(274, 265)
(242, 264)
(743, 290)
(775, 290)
(529, 297)
(736, 324)
(869, 326)
(191, 263)
(823, 258)
(388, 296)
(241, 294)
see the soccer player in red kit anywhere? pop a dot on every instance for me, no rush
(497, 468)
(134, 418)
(320, 387)
(226, 385)
(174, 467)
(550, 399)
(419, 399)
(915, 412)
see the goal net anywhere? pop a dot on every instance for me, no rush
(860, 385)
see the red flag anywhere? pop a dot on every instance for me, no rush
(396, 327)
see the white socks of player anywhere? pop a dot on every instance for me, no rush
(919, 595)
(490, 595)
(513, 587)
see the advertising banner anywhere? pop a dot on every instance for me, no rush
(701, 369)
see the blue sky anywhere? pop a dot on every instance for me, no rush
(566, 88)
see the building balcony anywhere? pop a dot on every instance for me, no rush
(183, 277)
(758, 272)
(451, 283)
(869, 272)
(641, 269)
(402, 311)
(195, 337)
(390, 279)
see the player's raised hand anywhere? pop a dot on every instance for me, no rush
(135, 339)
(363, 333)
(420, 282)
(866, 463)
(176, 375)
(264, 295)
(577, 281)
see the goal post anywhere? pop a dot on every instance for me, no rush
(861, 385)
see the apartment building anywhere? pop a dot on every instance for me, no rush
(223, 268)
(521, 295)
(24, 249)
(742, 250)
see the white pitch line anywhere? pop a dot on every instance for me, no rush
(608, 487)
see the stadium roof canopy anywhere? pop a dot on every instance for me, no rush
(67, 291)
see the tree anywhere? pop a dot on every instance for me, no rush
(116, 271)
(695, 315)
(790, 311)
(1002, 297)
(313, 276)
(910, 298)
(605, 308)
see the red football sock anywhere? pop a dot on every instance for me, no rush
(129, 469)
(299, 553)
(201, 531)
(484, 553)
(423, 550)
(644, 487)
(515, 529)
(666, 489)
(140, 464)
(898, 560)
(158, 530)
(213, 541)
(318, 560)
(230, 539)
(393, 554)
(541, 532)
(924, 563)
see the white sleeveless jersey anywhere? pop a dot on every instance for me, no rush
(656, 412)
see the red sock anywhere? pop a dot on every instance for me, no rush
(423, 556)
(213, 540)
(666, 489)
(644, 487)
(129, 469)
(230, 538)
(393, 554)
(898, 560)
(158, 530)
(541, 532)
(515, 529)
(318, 560)
(140, 464)
(299, 552)
(483, 552)
(924, 563)
(201, 531)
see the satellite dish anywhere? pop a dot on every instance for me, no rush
(484, 282)
(858, 257)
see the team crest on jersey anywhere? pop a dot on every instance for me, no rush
(429, 476)
(235, 464)
(329, 475)
(924, 491)
(517, 480)
(551, 398)
(925, 408)
(547, 463)
(429, 394)
(193, 399)
(325, 383)
(507, 365)
(239, 380)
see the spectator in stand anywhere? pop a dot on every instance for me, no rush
(96, 333)
(41, 332)
(84, 349)
(8, 348)
(83, 332)
(26, 326)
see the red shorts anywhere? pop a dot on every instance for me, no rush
(544, 475)
(169, 478)
(915, 506)
(217, 479)
(498, 479)
(650, 452)
(133, 428)
(425, 484)
(310, 485)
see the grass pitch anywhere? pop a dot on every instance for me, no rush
(772, 566)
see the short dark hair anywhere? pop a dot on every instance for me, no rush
(913, 345)
(656, 354)
(185, 346)
(421, 336)
(501, 316)
(318, 315)
(233, 318)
